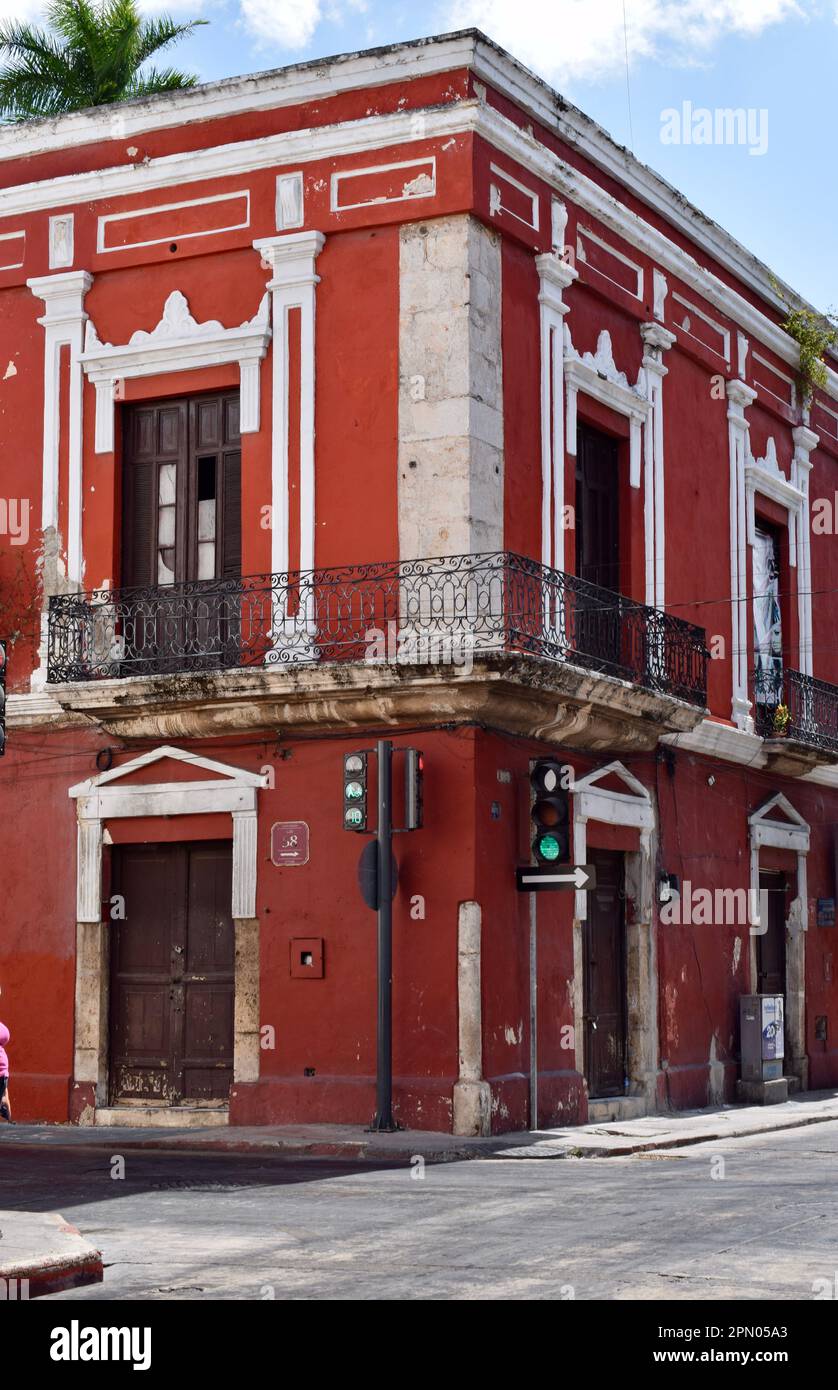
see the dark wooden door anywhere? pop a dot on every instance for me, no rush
(771, 944)
(596, 626)
(181, 533)
(605, 978)
(172, 974)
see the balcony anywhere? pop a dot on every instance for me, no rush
(809, 734)
(442, 621)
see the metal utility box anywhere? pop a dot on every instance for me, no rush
(762, 1036)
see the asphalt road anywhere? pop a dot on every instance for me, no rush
(663, 1226)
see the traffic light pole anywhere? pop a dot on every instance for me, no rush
(384, 1075)
(533, 1012)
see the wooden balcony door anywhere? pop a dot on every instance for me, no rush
(181, 531)
(596, 625)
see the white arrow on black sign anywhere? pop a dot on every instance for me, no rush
(547, 878)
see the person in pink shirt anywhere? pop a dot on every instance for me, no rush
(5, 1107)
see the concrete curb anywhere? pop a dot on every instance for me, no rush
(351, 1143)
(41, 1253)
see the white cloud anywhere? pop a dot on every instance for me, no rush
(583, 40)
(23, 10)
(286, 23)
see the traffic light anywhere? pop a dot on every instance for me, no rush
(550, 813)
(355, 791)
(414, 776)
(2, 698)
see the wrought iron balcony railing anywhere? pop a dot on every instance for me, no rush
(808, 708)
(446, 610)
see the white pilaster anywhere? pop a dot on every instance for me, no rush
(739, 397)
(554, 275)
(805, 440)
(656, 341)
(63, 323)
(291, 259)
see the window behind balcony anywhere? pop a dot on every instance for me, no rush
(181, 516)
(768, 626)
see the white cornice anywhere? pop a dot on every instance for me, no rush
(322, 78)
(462, 117)
(234, 96)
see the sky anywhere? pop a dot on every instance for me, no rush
(630, 64)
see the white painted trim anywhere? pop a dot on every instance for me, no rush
(597, 374)
(14, 236)
(791, 402)
(98, 799)
(724, 333)
(656, 341)
(61, 241)
(584, 233)
(345, 175)
(555, 275)
(290, 201)
(764, 476)
(63, 322)
(739, 397)
(317, 80)
(291, 259)
(632, 808)
(103, 222)
(370, 133)
(496, 204)
(177, 344)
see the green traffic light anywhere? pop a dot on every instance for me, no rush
(354, 791)
(354, 816)
(548, 847)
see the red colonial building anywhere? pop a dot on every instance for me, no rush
(386, 396)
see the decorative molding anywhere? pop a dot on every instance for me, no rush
(7, 240)
(178, 343)
(290, 202)
(497, 205)
(597, 374)
(291, 259)
(660, 289)
(423, 184)
(555, 275)
(460, 118)
(61, 241)
(241, 195)
(632, 808)
(98, 799)
(63, 323)
(718, 328)
(765, 476)
(584, 234)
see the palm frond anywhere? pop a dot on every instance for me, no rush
(92, 54)
(159, 33)
(153, 82)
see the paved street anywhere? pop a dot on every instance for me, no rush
(650, 1226)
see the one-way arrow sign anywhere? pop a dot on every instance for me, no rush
(547, 878)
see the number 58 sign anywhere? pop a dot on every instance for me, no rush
(289, 842)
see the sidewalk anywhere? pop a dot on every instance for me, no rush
(40, 1253)
(604, 1140)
